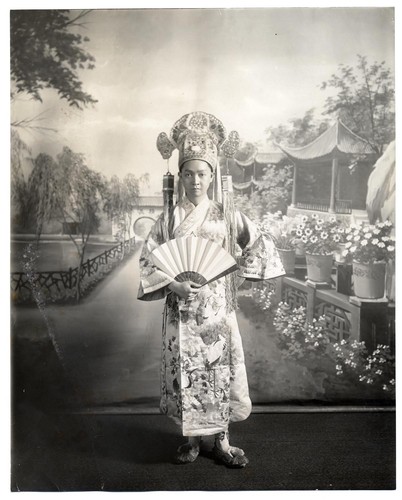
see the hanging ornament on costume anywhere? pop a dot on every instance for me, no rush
(165, 147)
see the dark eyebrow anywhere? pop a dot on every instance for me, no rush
(197, 171)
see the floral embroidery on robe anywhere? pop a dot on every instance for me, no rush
(203, 376)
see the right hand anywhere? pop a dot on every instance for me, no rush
(187, 290)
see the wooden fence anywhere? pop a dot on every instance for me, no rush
(62, 285)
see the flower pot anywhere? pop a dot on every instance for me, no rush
(369, 280)
(319, 267)
(338, 253)
(288, 258)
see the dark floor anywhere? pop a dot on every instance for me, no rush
(54, 449)
(293, 451)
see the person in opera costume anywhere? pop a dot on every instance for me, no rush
(203, 376)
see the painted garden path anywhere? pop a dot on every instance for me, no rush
(110, 342)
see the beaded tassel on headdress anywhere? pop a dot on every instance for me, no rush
(229, 148)
(217, 184)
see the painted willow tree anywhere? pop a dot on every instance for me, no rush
(80, 194)
(68, 191)
(43, 196)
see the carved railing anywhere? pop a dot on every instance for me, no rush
(61, 285)
(345, 317)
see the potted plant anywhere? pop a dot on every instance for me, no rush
(370, 247)
(317, 238)
(282, 230)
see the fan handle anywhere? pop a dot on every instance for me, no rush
(191, 276)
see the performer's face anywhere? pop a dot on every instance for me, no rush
(196, 176)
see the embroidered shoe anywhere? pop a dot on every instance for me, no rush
(235, 460)
(186, 453)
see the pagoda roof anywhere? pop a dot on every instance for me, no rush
(269, 157)
(246, 156)
(337, 138)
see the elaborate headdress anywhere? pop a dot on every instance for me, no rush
(199, 136)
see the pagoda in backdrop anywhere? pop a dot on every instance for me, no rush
(330, 174)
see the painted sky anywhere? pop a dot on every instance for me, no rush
(252, 68)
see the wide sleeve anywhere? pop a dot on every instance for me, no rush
(259, 259)
(153, 282)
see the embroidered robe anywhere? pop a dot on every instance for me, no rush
(203, 375)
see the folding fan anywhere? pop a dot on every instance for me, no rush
(193, 259)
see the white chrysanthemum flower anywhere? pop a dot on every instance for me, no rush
(304, 218)
(368, 236)
(349, 237)
(353, 249)
(304, 239)
(366, 229)
(324, 235)
(363, 243)
(356, 238)
(381, 245)
(376, 231)
(320, 221)
(313, 239)
(390, 248)
(299, 232)
(314, 216)
(308, 232)
(375, 241)
(385, 238)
